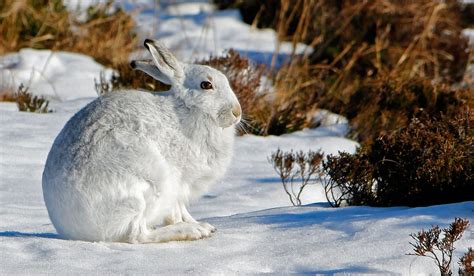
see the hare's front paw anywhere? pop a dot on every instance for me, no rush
(208, 226)
(189, 231)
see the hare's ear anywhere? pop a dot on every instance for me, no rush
(168, 69)
(148, 66)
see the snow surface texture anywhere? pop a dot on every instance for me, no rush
(195, 30)
(258, 231)
(57, 75)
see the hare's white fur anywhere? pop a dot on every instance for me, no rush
(125, 166)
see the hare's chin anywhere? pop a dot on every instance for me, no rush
(229, 124)
(236, 121)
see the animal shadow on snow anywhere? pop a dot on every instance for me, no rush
(332, 218)
(351, 270)
(16, 234)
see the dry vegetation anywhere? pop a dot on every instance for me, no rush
(357, 45)
(438, 245)
(466, 263)
(428, 162)
(382, 106)
(125, 77)
(393, 68)
(106, 36)
(390, 68)
(27, 102)
(296, 171)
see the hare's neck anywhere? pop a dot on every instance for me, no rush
(202, 130)
(201, 127)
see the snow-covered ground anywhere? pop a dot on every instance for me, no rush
(258, 232)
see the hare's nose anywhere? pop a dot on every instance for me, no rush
(237, 111)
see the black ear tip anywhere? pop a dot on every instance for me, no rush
(145, 43)
(133, 64)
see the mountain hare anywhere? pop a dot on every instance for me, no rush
(126, 165)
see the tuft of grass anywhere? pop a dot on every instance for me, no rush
(7, 94)
(106, 36)
(28, 102)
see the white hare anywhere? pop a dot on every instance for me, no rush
(125, 166)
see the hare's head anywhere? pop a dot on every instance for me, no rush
(198, 86)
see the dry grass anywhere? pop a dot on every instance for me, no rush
(356, 44)
(28, 102)
(7, 95)
(127, 78)
(384, 105)
(108, 37)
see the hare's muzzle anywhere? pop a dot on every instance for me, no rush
(237, 112)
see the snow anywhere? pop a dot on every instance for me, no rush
(258, 230)
(195, 30)
(56, 75)
(470, 34)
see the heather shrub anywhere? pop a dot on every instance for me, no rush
(466, 263)
(438, 245)
(349, 179)
(382, 106)
(428, 162)
(296, 170)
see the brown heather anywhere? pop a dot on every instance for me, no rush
(438, 245)
(466, 263)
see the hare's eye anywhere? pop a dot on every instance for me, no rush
(206, 85)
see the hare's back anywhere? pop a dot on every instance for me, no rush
(110, 123)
